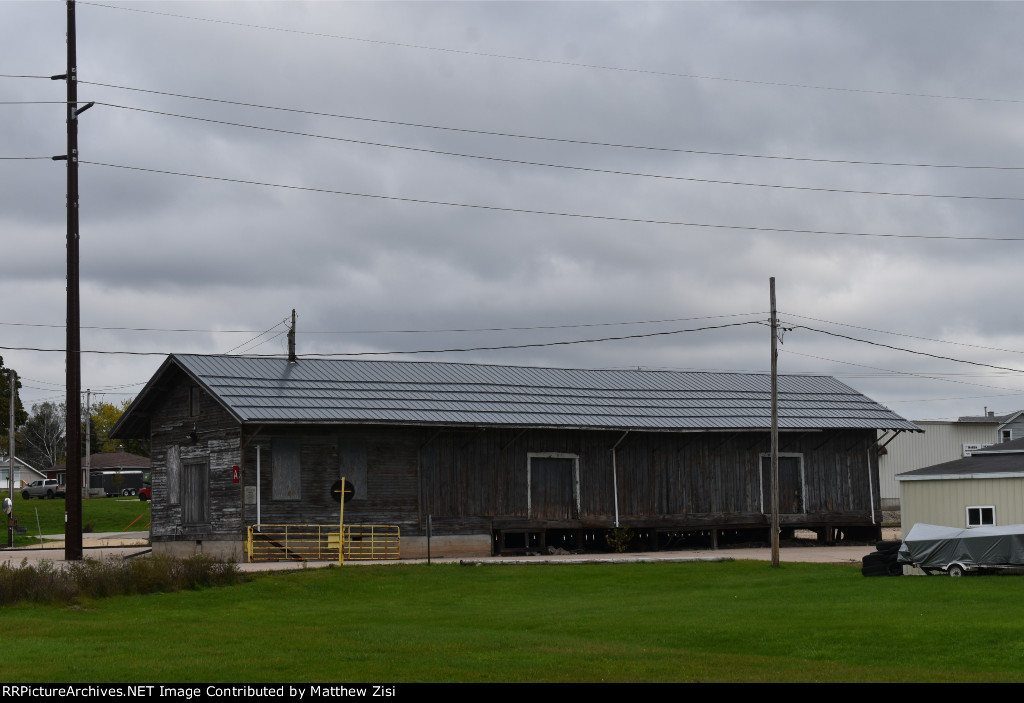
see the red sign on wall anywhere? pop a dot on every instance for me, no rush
(234, 474)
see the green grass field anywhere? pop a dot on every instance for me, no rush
(102, 514)
(731, 621)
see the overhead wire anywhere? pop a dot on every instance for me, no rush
(406, 331)
(563, 166)
(417, 351)
(903, 334)
(608, 218)
(562, 140)
(927, 377)
(262, 342)
(239, 346)
(555, 62)
(908, 351)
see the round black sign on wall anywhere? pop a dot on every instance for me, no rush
(350, 491)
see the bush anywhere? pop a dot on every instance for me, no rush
(49, 582)
(619, 538)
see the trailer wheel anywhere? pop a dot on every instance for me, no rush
(956, 571)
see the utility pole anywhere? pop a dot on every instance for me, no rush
(88, 440)
(11, 378)
(73, 500)
(775, 428)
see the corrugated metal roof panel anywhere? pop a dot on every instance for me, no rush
(327, 390)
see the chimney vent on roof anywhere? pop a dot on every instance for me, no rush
(291, 341)
(991, 413)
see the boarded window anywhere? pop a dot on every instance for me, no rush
(352, 464)
(193, 401)
(791, 484)
(174, 474)
(286, 470)
(195, 493)
(554, 487)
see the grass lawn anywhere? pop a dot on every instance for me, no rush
(102, 514)
(731, 621)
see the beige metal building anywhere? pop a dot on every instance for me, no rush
(986, 488)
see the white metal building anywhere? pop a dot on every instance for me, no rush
(941, 441)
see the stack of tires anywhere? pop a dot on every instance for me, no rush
(884, 561)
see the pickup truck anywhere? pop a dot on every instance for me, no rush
(45, 488)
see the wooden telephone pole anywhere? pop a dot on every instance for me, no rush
(775, 428)
(73, 500)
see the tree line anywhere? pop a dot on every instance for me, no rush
(40, 435)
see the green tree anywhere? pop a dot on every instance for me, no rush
(5, 403)
(104, 417)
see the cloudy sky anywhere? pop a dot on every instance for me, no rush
(426, 176)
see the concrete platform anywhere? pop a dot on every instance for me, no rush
(114, 546)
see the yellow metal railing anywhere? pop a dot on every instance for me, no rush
(372, 542)
(320, 542)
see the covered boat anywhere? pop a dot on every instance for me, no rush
(958, 550)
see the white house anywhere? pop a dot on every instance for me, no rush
(23, 473)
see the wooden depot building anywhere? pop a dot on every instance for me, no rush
(500, 458)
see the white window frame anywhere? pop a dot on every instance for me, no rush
(552, 455)
(981, 516)
(1005, 436)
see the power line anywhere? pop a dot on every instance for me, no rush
(608, 218)
(542, 344)
(405, 331)
(911, 336)
(909, 351)
(260, 344)
(513, 135)
(541, 327)
(903, 373)
(126, 329)
(423, 351)
(276, 324)
(563, 166)
(554, 62)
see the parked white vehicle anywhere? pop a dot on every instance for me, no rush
(45, 488)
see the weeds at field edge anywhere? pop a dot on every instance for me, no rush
(52, 583)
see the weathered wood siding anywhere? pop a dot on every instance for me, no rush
(216, 446)
(381, 464)
(678, 479)
(468, 480)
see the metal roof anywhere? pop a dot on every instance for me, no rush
(336, 391)
(998, 461)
